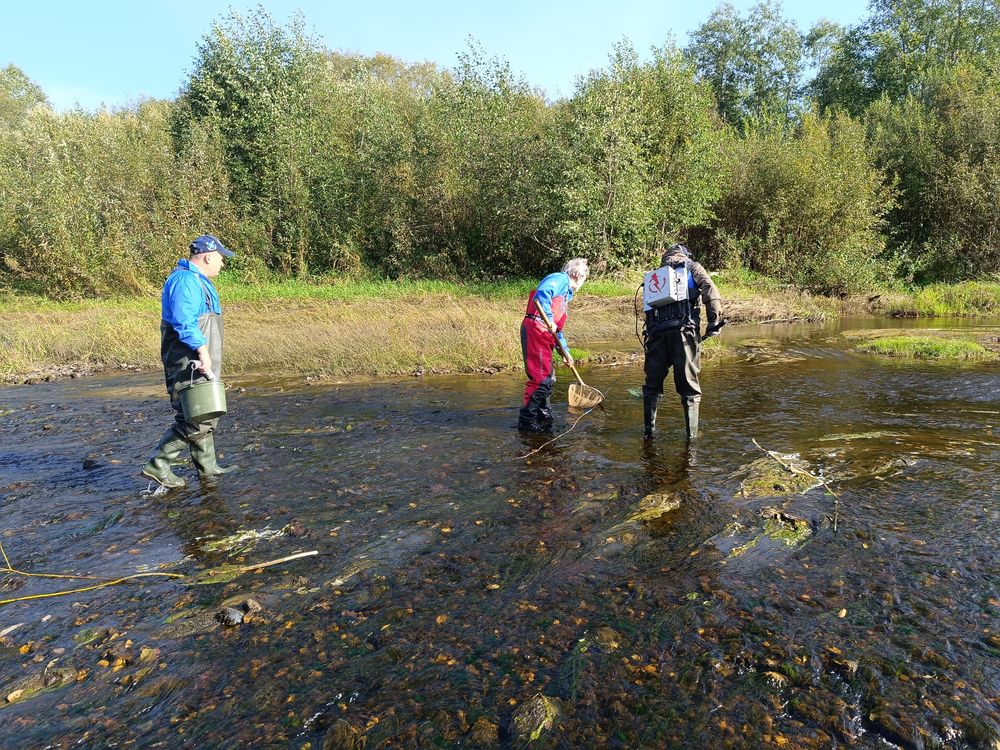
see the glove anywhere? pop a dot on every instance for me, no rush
(713, 329)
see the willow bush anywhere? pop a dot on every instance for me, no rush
(644, 154)
(805, 206)
(100, 204)
(943, 151)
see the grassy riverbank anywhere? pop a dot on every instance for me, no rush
(347, 329)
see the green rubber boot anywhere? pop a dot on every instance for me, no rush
(203, 455)
(649, 404)
(158, 467)
(691, 420)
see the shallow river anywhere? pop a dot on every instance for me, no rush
(456, 579)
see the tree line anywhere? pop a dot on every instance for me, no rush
(836, 159)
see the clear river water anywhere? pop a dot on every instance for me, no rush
(460, 575)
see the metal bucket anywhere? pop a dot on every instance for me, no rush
(203, 401)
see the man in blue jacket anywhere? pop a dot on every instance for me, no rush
(190, 348)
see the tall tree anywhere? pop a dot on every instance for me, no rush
(904, 47)
(252, 78)
(18, 96)
(754, 63)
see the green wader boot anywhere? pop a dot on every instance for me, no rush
(203, 455)
(691, 420)
(649, 415)
(158, 467)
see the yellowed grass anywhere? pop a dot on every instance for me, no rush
(344, 339)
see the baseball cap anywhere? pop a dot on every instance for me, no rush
(209, 244)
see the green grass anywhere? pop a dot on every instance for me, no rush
(742, 279)
(927, 347)
(968, 299)
(336, 327)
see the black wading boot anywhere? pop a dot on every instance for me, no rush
(649, 415)
(158, 467)
(203, 455)
(691, 420)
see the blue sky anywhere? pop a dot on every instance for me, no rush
(116, 51)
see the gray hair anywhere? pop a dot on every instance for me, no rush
(577, 268)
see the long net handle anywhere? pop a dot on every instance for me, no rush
(559, 343)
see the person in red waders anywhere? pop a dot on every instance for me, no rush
(538, 341)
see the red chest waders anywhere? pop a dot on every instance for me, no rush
(537, 345)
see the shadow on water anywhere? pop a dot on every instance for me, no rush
(462, 572)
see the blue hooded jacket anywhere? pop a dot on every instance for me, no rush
(188, 294)
(554, 290)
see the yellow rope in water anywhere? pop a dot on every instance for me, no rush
(104, 582)
(101, 585)
(10, 569)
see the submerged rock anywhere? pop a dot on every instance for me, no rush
(608, 638)
(192, 621)
(50, 678)
(534, 717)
(655, 505)
(783, 527)
(484, 733)
(765, 477)
(343, 735)
(229, 616)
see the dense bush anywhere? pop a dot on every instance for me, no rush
(643, 149)
(804, 206)
(943, 149)
(99, 204)
(313, 163)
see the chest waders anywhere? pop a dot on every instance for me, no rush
(673, 341)
(177, 358)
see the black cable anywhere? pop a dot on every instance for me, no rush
(635, 309)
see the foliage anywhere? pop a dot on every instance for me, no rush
(314, 164)
(904, 47)
(495, 172)
(944, 153)
(18, 96)
(754, 64)
(643, 156)
(98, 204)
(805, 208)
(250, 81)
(966, 299)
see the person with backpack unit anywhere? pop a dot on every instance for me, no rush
(538, 341)
(672, 337)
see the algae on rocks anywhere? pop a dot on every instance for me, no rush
(786, 528)
(654, 506)
(765, 477)
(534, 717)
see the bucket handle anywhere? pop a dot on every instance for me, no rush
(193, 364)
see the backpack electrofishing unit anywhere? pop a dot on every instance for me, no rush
(666, 300)
(666, 293)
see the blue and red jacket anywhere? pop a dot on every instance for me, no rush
(553, 294)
